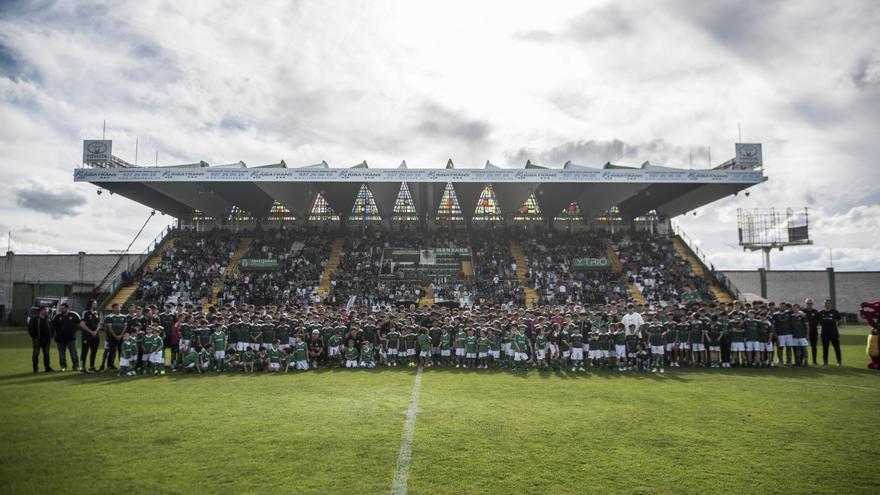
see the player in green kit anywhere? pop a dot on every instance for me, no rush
(577, 351)
(392, 346)
(483, 349)
(206, 358)
(495, 346)
(192, 361)
(540, 350)
(655, 340)
(425, 348)
(470, 349)
(351, 354)
(460, 340)
(446, 345)
(520, 345)
(248, 359)
(127, 354)
(366, 356)
(410, 339)
(218, 340)
(275, 352)
(301, 353)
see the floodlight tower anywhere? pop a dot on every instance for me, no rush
(768, 229)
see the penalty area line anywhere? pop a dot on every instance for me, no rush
(401, 472)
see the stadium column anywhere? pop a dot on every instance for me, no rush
(832, 287)
(762, 274)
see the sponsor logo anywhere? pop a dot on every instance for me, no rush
(96, 147)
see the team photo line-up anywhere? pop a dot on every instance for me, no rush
(288, 338)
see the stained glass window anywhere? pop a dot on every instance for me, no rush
(487, 205)
(321, 210)
(364, 209)
(280, 212)
(612, 213)
(529, 211)
(449, 208)
(571, 212)
(404, 209)
(201, 216)
(238, 215)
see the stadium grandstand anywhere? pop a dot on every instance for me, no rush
(535, 235)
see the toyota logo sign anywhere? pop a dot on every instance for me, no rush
(96, 147)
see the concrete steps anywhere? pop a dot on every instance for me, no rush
(127, 291)
(683, 250)
(522, 269)
(618, 267)
(242, 248)
(330, 269)
(427, 298)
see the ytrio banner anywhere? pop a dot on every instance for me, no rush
(254, 265)
(586, 264)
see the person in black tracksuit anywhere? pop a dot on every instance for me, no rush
(829, 318)
(40, 330)
(90, 336)
(812, 327)
(65, 324)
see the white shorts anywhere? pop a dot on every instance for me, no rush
(157, 357)
(495, 354)
(459, 351)
(123, 361)
(565, 354)
(425, 354)
(698, 347)
(365, 364)
(219, 354)
(334, 350)
(657, 349)
(520, 356)
(391, 352)
(506, 348)
(611, 354)
(241, 346)
(800, 342)
(482, 354)
(539, 354)
(435, 349)
(714, 348)
(598, 354)
(351, 363)
(274, 366)
(684, 346)
(446, 353)
(184, 344)
(410, 352)
(785, 341)
(552, 348)
(752, 346)
(190, 366)
(586, 348)
(471, 355)
(619, 350)
(631, 355)
(737, 347)
(302, 365)
(206, 365)
(768, 347)
(670, 346)
(577, 354)
(291, 341)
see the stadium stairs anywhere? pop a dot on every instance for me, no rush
(125, 292)
(682, 249)
(233, 264)
(618, 267)
(522, 268)
(330, 269)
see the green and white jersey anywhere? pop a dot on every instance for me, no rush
(410, 340)
(186, 331)
(540, 342)
(655, 334)
(392, 339)
(483, 344)
(301, 351)
(254, 332)
(564, 341)
(577, 340)
(737, 332)
(367, 353)
(248, 357)
(218, 338)
(632, 342)
(129, 349)
(445, 341)
(696, 332)
(282, 333)
(243, 332)
(274, 355)
(206, 356)
(268, 334)
(752, 330)
(116, 323)
(335, 341)
(619, 338)
(470, 345)
(520, 343)
(424, 342)
(152, 343)
(494, 342)
(192, 357)
(351, 353)
(460, 339)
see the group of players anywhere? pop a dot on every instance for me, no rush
(613, 336)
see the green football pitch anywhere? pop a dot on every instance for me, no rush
(778, 430)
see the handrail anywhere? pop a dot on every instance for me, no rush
(719, 277)
(116, 282)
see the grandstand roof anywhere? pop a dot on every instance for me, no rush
(214, 190)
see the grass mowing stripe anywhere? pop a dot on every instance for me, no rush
(811, 382)
(401, 473)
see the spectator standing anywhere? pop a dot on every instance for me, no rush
(65, 324)
(90, 337)
(812, 327)
(40, 330)
(829, 318)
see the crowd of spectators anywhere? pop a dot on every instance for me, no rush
(662, 276)
(189, 268)
(550, 255)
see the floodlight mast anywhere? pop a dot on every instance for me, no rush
(769, 229)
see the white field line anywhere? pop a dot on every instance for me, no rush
(401, 473)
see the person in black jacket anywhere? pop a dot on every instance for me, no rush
(829, 319)
(90, 338)
(40, 331)
(813, 327)
(65, 324)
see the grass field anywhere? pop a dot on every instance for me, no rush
(688, 431)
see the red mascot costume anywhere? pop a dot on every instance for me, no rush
(870, 311)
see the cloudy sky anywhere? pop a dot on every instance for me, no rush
(426, 81)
